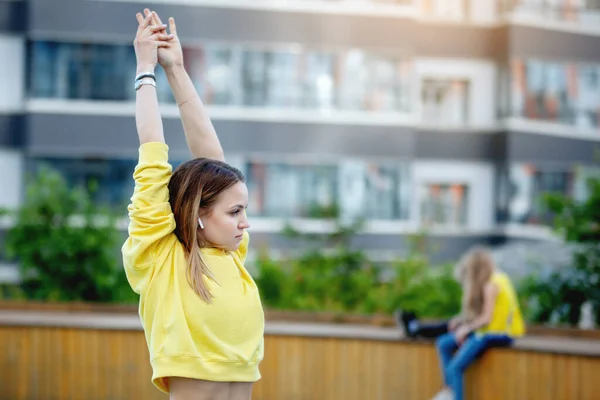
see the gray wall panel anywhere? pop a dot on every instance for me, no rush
(461, 145)
(116, 137)
(553, 45)
(350, 140)
(12, 130)
(531, 147)
(458, 41)
(13, 16)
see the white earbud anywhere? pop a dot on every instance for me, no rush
(200, 223)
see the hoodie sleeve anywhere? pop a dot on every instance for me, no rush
(150, 215)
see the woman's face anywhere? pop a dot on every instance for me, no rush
(227, 221)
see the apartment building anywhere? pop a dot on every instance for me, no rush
(448, 115)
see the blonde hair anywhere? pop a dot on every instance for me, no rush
(474, 271)
(193, 190)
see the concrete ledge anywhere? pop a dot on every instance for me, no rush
(81, 320)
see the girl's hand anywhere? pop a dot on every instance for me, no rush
(147, 42)
(170, 56)
(454, 323)
(461, 334)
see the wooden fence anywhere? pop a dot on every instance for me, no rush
(68, 363)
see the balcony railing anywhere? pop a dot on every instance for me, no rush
(584, 12)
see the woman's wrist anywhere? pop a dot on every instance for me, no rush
(472, 326)
(174, 69)
(142, 68)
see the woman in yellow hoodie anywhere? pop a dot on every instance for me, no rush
(491, 318)
(200, 309)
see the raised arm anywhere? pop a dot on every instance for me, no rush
(150, 215)
(199, 131)
(147, 114)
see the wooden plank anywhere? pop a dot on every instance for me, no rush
(69, 363)
(589, 376)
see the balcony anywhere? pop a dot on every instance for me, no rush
(557, 96)
(579, 16)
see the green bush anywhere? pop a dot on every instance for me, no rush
(430, 291)
(66, 245)
(331, 276)
(554, 297)
(558, 297)
(347, 282)
(338, 281)
(273, 282)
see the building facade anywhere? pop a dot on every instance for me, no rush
(453, 115)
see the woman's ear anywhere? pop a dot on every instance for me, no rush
(200, 223)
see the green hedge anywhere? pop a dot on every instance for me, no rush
(65, 245)
(346, 281)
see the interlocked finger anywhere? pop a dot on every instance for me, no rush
(160, 36)
(157, 20)
(158, 28)
(144, 25)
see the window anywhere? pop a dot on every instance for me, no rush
(214, 72)
(445, 101)
(351, 188)
(583, 11)
(110, 67)
(527, 185)
(446, 9)
(86, 71)
(383, 87)
(254, 78)
(354, 78)
(111, 178)
(286, 191)
(43, 58)
(564, 93)
(544, 182)
(386, 192)
(318, 85)
(520, 188)
(283, 79)
(276, 189)
(582, 174)
(588, 87)
(444, 204)
(231, 75)
(374, 191)
(372, 82)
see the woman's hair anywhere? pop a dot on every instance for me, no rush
(193, 190)
(473, 271)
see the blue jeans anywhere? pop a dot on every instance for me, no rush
(454, 365)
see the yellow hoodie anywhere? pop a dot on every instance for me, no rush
(507, 318)
(187, 337)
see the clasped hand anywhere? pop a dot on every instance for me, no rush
(153, 45)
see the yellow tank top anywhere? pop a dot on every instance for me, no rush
(507, 318)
